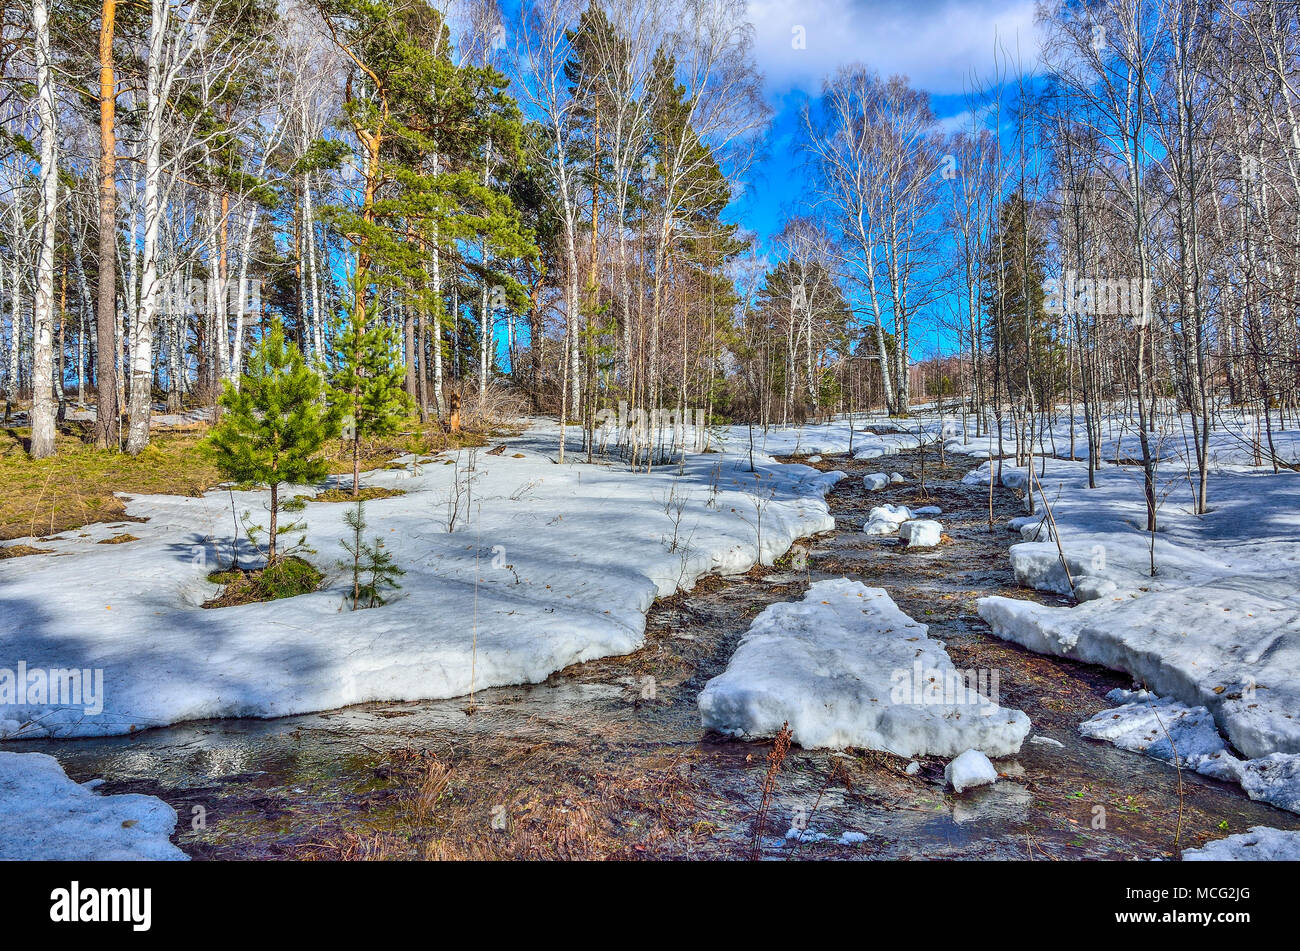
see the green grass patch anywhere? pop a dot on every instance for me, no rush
(367, 494)
(287, 578)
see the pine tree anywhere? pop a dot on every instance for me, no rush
(274, 425)
(373, 569)
(1020, 330)
(366, 386)
(435, 137)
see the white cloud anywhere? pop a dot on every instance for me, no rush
(937, 43)
(980, 117)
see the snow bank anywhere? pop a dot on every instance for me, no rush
(873, 446)
(1260, 844)
(875, 481)
(885, 519)
(1233, 442)
(1159, 727)
(846, 668)
(548, 566)
(1221, 645)
(1217, 625)
(1147, 724)
(839, 437)
(46, 816)
(1205, 611)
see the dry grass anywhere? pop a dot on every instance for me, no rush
(75, 487)
(412, 438)
(437, 778)
(118, 539)
(18, 551)
(367, 493)
(500, 407)
(780, 749)
(510, 800)
(354, 847)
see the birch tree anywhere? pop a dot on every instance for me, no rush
(43, 406)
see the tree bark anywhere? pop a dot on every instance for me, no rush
(108, 351)
(43, 409)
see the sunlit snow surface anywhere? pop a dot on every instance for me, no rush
(846, 668)
(549, 565)
(1169, 730)
(1215, 628)
(1217, 625)
(1260, 844)
(45, 815)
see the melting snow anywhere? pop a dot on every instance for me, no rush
(846, 668)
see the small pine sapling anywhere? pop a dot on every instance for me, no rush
(373, 568)
(273, 427)
(366, 386)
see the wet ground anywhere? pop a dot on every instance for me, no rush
(607, 759)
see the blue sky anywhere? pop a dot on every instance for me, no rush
(945, 47)
(939, 44)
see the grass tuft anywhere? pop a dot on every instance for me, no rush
(367, 493)
(18, 551)
(287, 578)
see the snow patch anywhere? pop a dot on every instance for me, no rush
(1231, 646)
(44, 815)
(971, 768)
(839, 667)
(1158, 727)
(885, 519)
(921, 533)
(1260, 844)
(545, 566)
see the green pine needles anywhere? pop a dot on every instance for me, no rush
(373, 569)
(274, 425)
(366, 386)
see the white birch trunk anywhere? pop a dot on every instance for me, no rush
(43, 409)
(142, 327)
